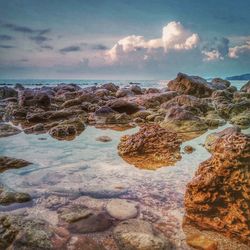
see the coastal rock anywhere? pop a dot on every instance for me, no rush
(33, 97)
(7, 92)
(121, 209)
(219, 83)
(9, 163)
(8, 130)
(135, 234)
(123, 106)
(246, 87)
(242, 120)
(123, 92)
(182, 121)
(190, 85)
(68, 130)
(150, 148)
(218, 196)
(212, 119)
(211, 139)
(188, 102)
(110, 87)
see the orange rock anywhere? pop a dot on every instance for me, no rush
(218, 197)
(152, 147)
(199, 241)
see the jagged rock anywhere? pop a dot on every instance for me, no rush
(150, 148)
(212, 119)
(218, 197)
(81, 242)
(8, 130)
(110, 87)
(9, 163)
(242, 120)
(182, 121)
(122, 209)
(190, 85)
(135, 234)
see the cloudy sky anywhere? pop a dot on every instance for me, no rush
(123, 39)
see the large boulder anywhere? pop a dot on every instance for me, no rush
(190, 85)
(218, 197)
(150, 148)
(219, 83)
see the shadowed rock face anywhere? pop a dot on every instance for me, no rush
(218, 197)
(190, 85)
(150, 148)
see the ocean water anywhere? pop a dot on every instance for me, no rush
(32, 83)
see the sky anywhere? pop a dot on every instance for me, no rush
(123, 39)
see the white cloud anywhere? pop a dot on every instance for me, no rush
(174, 37)
(212, 55)
(235, 52)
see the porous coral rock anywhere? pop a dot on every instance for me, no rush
(218, 197)
(150, 148)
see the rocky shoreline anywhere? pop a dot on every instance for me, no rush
(217, 198)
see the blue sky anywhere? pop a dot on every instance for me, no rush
(113, 39)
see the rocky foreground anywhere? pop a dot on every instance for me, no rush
(218, 197)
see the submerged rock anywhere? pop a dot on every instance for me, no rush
(135, 234)
(190, 85)
(218, 196)
(150, 148)
(122, 209)
(10, 197)
(9, 163)
(199, 241)
(8, 130)
(104, 138)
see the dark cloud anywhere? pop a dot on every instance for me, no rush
(72, 48)
(5, 38)
(39, 39)
(47, 47)
(24, 29)
(219, 44)
(99, 47)
(7, 46)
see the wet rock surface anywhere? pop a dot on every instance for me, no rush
(218, 197)
(8, 130)
(9, 163)
(151, 147)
